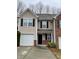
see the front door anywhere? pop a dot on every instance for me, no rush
(39, 39)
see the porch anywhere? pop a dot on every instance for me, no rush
(43, 38)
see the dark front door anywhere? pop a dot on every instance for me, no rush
(39, 39)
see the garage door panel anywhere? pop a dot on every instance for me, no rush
(26, 40)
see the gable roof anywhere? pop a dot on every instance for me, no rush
(46, 16)
(28, 10)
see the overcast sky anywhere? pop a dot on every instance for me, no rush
(51, 3)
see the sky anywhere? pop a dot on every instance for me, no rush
(51, 3)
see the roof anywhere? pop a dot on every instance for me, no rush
(46, 16)
(41, 16)
(27, 10)
(58, 17)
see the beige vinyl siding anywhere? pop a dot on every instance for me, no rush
(30, 29)
(50, 25)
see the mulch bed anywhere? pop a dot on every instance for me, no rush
(56, 52)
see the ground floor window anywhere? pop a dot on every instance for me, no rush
(49, 36)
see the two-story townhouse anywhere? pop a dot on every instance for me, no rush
(44, 30)
(36, 29)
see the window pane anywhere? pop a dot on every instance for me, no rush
(44, 24)
(27, 22)
(49, 36)
(30, 22)
(24, 22)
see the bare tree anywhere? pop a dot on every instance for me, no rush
(53, 10)
(58, 11)
(39, 7)
(20, 7)
(47, 9)
(31, 7)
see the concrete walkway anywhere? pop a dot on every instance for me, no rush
(40, 52)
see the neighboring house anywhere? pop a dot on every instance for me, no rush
(36, 29)
(58, 30)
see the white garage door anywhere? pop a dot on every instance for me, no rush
(26, 40)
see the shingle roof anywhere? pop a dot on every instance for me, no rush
(46, 16)
(41, 16)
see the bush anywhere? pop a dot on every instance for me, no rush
(18, 38)
(51, 44)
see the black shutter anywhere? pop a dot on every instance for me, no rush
(47, 24)
(40, 24)
(21, 22)
(33, 22)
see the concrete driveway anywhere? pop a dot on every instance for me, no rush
(39, 52)
(22, 52)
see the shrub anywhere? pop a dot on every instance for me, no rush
(51, 44)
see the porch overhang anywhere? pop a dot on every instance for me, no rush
(44, 31)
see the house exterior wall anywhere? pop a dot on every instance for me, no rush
(50, 25)
(34, 30)
(27, 14)
(47, 31)
(59, 41)
(25, 29)
(58, 30)
(28, 30)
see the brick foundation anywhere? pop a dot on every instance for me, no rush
(45, 42)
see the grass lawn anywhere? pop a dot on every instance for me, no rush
(56, 52)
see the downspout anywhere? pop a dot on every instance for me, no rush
(54, 31)
(36, 32)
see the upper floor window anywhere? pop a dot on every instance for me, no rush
(44, 24)
(27, 22)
